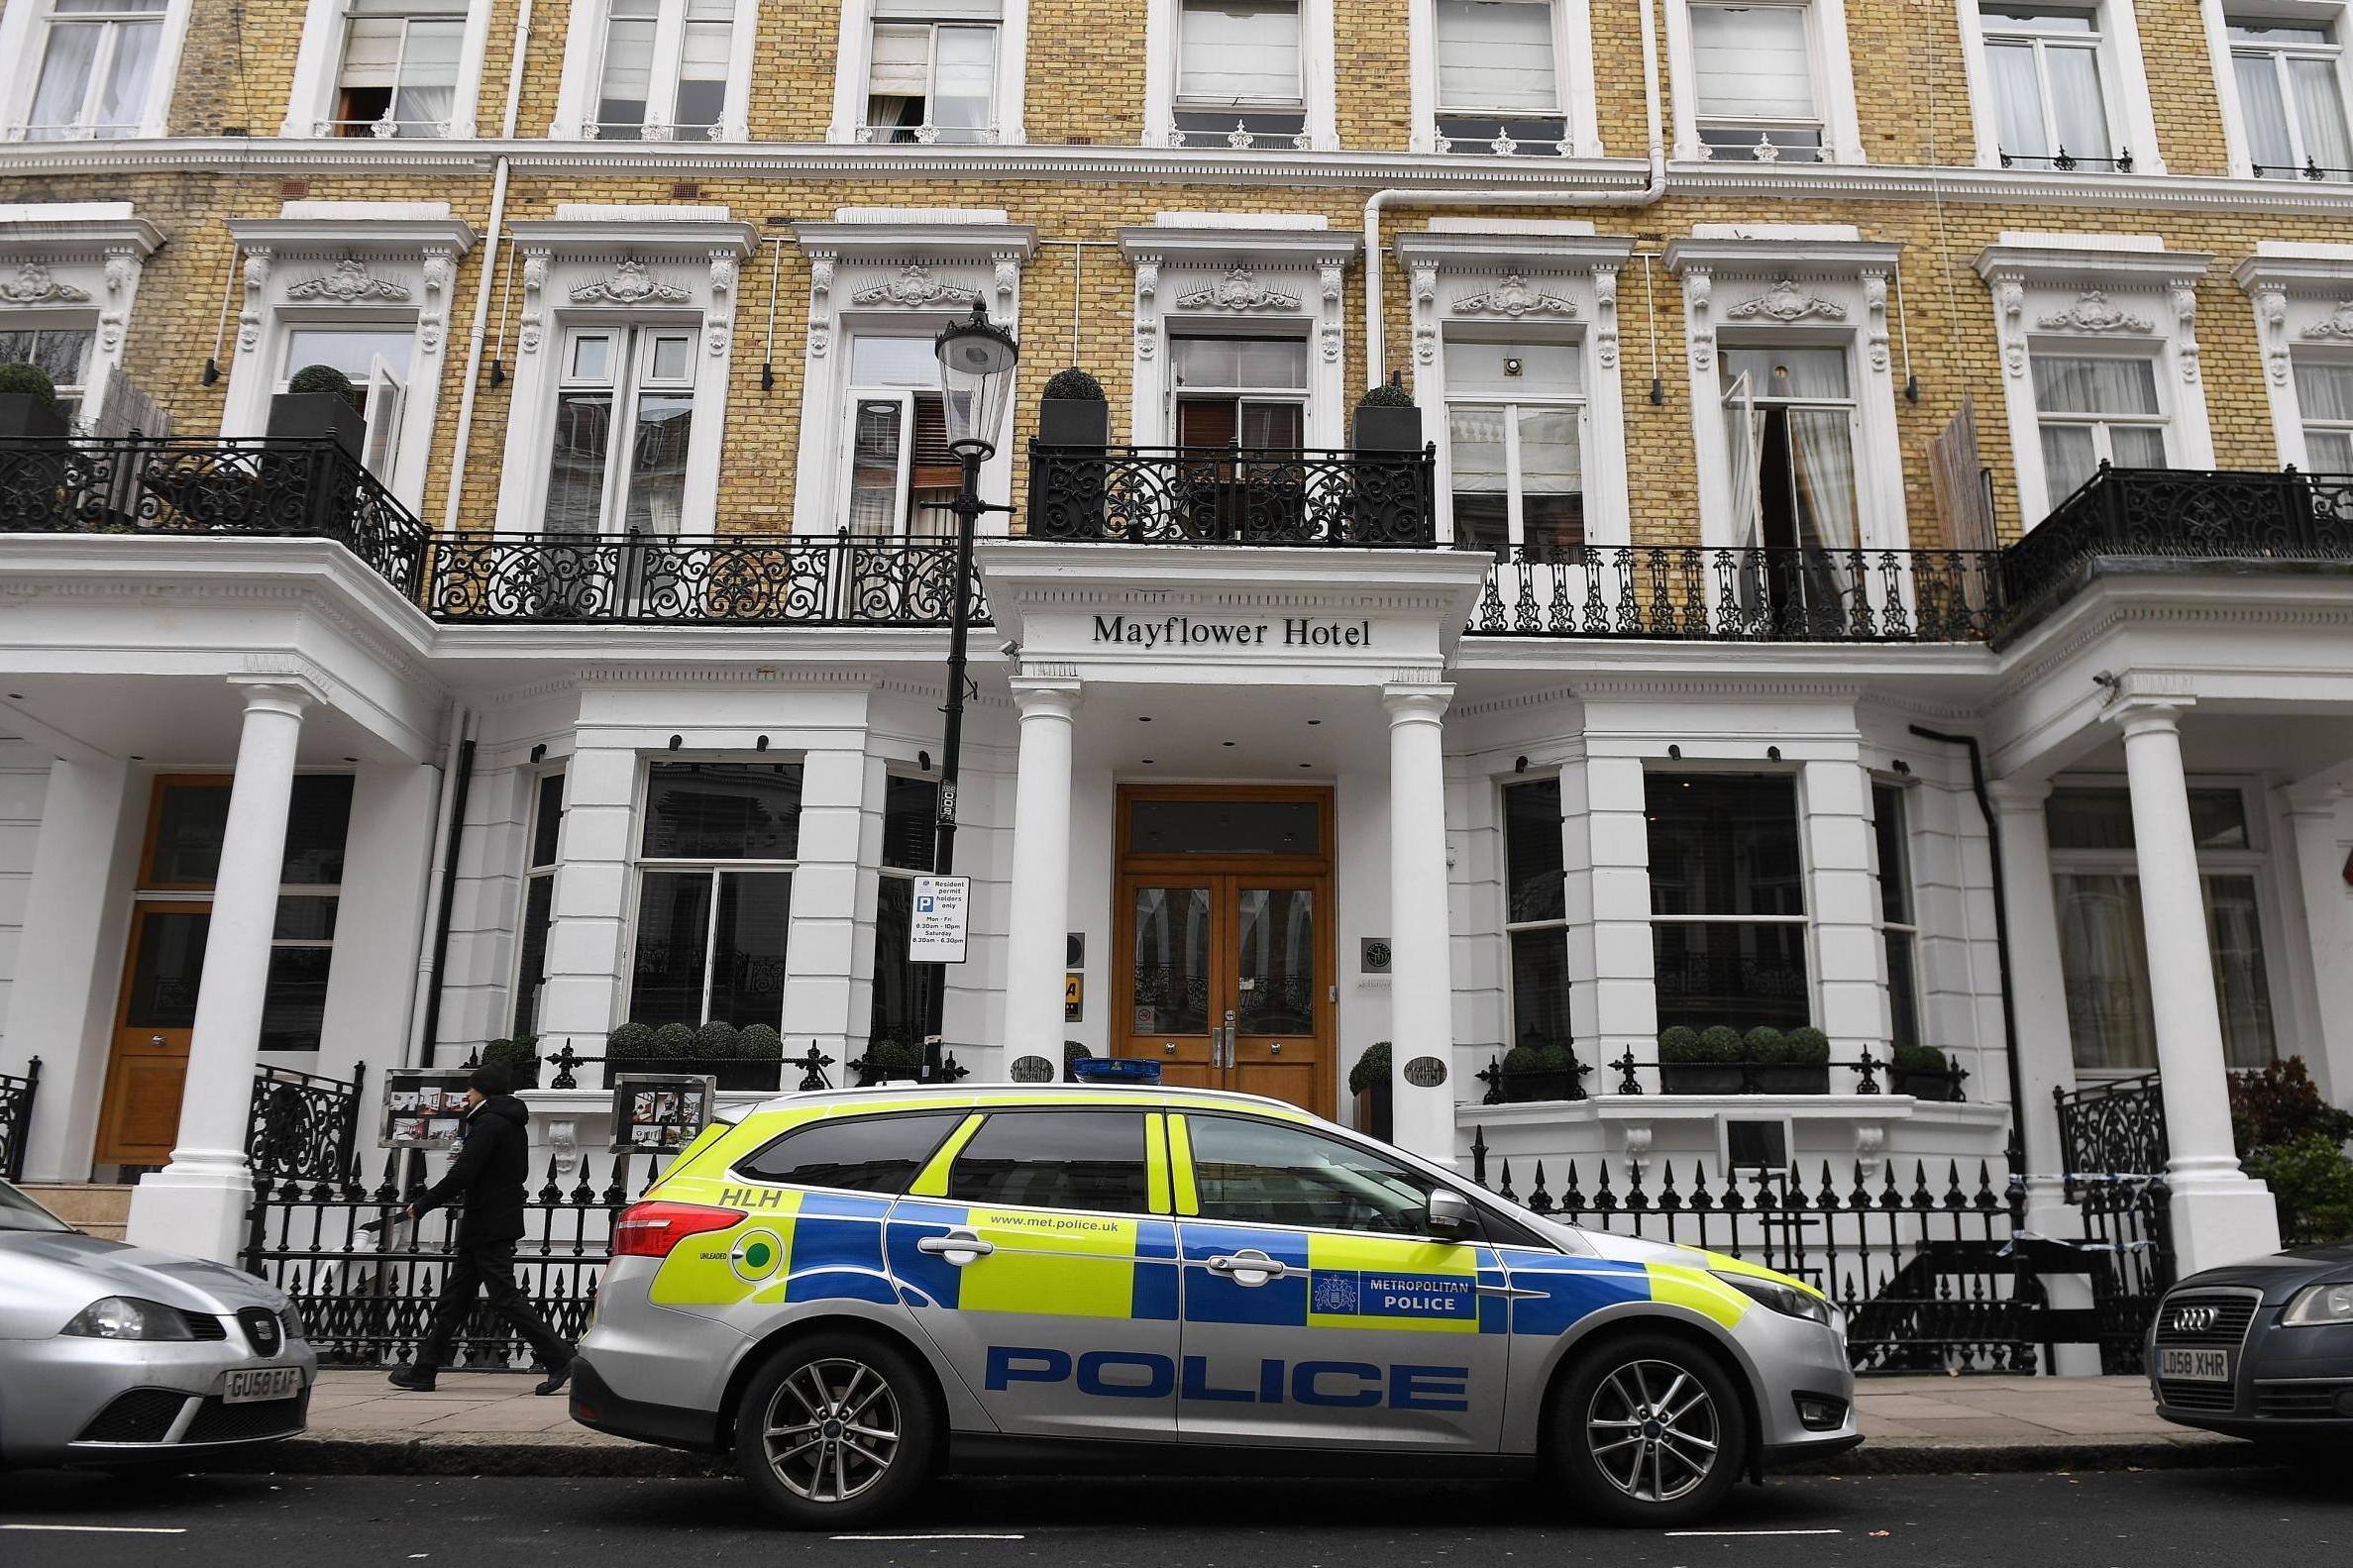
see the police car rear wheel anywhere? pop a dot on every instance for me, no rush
(1650, 1433)
(835, 1431)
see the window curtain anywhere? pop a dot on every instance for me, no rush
(2076, 108)
(627, 83)
(2265, 114)
(2087, 385)
(64, 76)
(2320, 114)
(967, 84)
(1239, 51)
(2017, 100)
(2103, 956)
(1496, 56)
(1744, 434)
(1822, 449)
(1476, 452)
(426, 94)
(1752, 63)
(704, 49)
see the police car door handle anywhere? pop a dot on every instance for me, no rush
(1511, 1293)
(1250, 1267)
(957, 1246)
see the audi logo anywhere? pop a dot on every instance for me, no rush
(2195, 1320)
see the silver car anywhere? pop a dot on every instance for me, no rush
(847, 1292)
(112, 1354)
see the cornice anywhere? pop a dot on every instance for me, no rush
(2110, 601)
(61, 238)
(880, 240)
(2094, 266)
(1781, 256)
(385, 236)
(1524, 253)
(1238, 246)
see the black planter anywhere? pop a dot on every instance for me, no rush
(1543, 1084)
(1376, 1114)
(1700, 1078)
(1074, 422)
(27, 417)
(1922, 1082)
(309, 416)
(1790, 1078)
(1383, 429)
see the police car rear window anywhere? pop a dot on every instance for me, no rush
(1056, 1159)
(864, 1154)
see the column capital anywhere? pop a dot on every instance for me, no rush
(2022, 795)
(2317, 797)
(1046, 696)
(2149, 713)
(287, 692)
(1417, 704)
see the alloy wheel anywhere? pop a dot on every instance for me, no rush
(1653, 1430)
(831, 1430)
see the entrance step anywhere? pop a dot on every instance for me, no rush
(103, 1209)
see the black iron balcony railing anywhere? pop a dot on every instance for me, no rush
(1233, 495)
(259, 486)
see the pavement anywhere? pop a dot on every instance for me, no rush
(491, 1424)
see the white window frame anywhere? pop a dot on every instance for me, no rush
(2335, 15)
(79, 391)
(1560, 925)
(318, 71)
(534, 781)
(2302, 294)
(2123, 81)
(2098, 295)
(863, 1018)
(2104, 426)
(1301, 398)
(1658, 767)
(577, 91)
(24, 39)
(641, 863)
(1833, 81)
(1572, 74)
(854, 64)
(83, 260)
(857, 396)
(632, 345)
(1511, 406)
(1906, 797)
(2008, 31)
(1320, 126)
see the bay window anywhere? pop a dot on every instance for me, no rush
(2104, 955)
(2291, 99)
(714, 892)
(62, 351)
(931, 73)
(903, 480)
(662, 71)
(2050, 109)
(1728, 920)
(399, 72)
(2095, 408)
(2324, 404)
(1755, 83)
(374, 359)
(902, 990)
(1501, 72)
(97, 68)
(624, 414)
(1514, 445)
(1535, 913)
(1240, 73)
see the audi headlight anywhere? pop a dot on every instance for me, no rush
(129, 1318)
(2316, 1306)
(1786, 1299)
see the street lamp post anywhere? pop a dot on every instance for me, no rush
(976, 372)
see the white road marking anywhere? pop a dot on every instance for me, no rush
(930, 1538)
(1752, 1533)
(104, 1530)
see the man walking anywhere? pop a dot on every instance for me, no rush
(485, 1182)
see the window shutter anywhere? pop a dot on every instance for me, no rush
(1752, 63)
(371, 53)
(902, 63)
(1205, 424)
(1239, 51)
(935, 467)
(1496, 55)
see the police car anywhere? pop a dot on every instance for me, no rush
(851, 1292)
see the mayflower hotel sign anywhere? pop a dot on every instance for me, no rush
(1184, 631)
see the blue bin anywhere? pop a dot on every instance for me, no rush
(1131, 1070)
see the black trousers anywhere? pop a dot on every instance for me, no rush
(487, 1268)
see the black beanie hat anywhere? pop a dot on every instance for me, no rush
(491, 1079)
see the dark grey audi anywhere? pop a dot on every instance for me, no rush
(2261, 1349)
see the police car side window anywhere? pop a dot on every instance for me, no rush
(863, 1154)
(1262, 1173)
(1056, 1159)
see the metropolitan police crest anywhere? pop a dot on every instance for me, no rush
(1338, 1294)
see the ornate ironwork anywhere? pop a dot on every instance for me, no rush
(303, 1126)
(1756, 594)
(17, 1091)
(1929, 1278)
(268, 486)
(2112, 1132)
(2113, 1138)
(1233, 495)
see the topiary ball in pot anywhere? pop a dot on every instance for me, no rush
(675, 1041)
(1556, 1057)
(631, 1042)
(1765, 1044)
(1074, 385)
(1524, 1059)
(27, 380)
(1808, 1046)
(1679, 1044)
(1720, 1043)
(1372, 1070)
(717, 1041)
(320, 378)
(757, 1042)
(1386, 396)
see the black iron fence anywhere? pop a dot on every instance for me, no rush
(1233, 495)
(366, 1294)
(2113, 1139)
(17, 1091)
(301, 1126)
(1925, 1269)
(266, 486)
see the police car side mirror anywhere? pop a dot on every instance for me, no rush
(1450, 1213)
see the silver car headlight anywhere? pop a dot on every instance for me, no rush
(2318, 1304)
(289, 1318)
(1785, 1299)
(129, 1318)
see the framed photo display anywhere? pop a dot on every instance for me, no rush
(422, 1108)
(658, 1113)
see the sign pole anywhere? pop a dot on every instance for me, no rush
(968, 508)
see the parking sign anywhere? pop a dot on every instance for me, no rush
(935, 936)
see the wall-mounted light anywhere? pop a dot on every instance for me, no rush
(1903, 767)
(1773, 752)
(676, 741)
(1675, 752)
(761, 744)
(1520, 766)
(539, 753)
(924, 761)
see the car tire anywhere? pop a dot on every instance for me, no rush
(1647, 1430)
(836, 1432)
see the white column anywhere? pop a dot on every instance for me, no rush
(1843, 906)
(832, 917)
(585, 965)
(1039, 898)
(2324, 838)
(196, 1204)
(2219, 1214)
(2046, 1054)
(1624, 986)
(1421, 983)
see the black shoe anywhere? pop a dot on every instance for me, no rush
(417, 1379)
(558, 1375)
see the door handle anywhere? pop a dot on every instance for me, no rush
(959, 1247)
(1217, 1046)
(1247, 1266)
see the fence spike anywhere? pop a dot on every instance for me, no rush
(1859, 1198)
(1637, 1201)
(1572, 1197)
(1828, 1201)
(549, 1192)
(1605, 1200)
(1538, 1198)
(1955, 1198)
(1986, 1202)
(1669, 1200)
(1702, 1200)
(1921, 1196)
(1505, 1191)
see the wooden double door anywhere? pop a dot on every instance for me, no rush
(1225, 973)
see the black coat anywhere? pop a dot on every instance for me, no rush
(486, 1180)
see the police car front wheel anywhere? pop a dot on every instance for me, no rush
(1650, 1431)
(835, 1431)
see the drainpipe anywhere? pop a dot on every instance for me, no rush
(2002, 911)
(478, 334)
(1653, 187)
